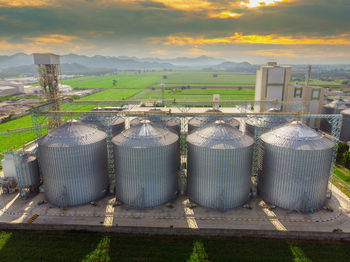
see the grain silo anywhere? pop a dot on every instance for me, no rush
(147, 160)
(100, 122)
(296, 167)
(162, 121)
(265, 123)
(219, 164)
(73, 159)
(345, 130)
(200, 121)
(334, 107)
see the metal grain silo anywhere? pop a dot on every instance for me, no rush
(73, 161)
(266, 123)
(296, 167)
(162, 121)
(200, 121)
(147, 160)
(345, 130)
(30, 171)
(219, 164)
(332, 108)
(100, 122)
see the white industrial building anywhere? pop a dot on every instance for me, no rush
(11, 90)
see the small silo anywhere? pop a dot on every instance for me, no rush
(73, 159)
(162, 121)
(266, 123)
(147, 160)
(30, 171)
(100, 122)
(219, 166)
(296, 167)
(200, 121)
(334, 107)
(345, 130)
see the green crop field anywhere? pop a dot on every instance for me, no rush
(17, 140)
(318, 82)
(59, 246)
(208, 79)
(196, 94)
(112, 94)
(138, 81)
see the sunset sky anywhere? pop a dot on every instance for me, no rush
(288, 31)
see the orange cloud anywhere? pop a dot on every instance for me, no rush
(225, 14)
(239, 38)
(46, 43)
(19, 3)
(52, 39)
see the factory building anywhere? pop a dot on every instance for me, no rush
(272, 84)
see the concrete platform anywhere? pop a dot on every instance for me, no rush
(27, 214)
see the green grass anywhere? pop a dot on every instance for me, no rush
(138, 81)
(196, 94)
(207, 79)
(11, 98)
(58, 246)
(343, 174)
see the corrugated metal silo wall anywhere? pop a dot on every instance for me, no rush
(325, 125)
(118, 128)
(146, 177)
(74, 175)
(219, 179)
(345, 130)
(295, 179)
(30, 171)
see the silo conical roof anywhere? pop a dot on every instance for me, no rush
(72, 134)
(297, 135)
(146, 134)
(219, 135)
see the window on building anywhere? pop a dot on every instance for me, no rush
(298, 92)
(315, 94)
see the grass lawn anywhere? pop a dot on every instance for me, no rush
(343, 174)
(139, 81)
(58, 246)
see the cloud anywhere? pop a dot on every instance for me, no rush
(240, 38)
(46, 43)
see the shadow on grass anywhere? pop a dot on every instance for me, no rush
(69, 246)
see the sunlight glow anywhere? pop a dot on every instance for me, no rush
(258, 3)
(182, 40)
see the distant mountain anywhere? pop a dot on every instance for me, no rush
(19, 59)
(234, 67)
(121, 62)
(114, 62)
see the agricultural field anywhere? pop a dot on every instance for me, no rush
(318, 82)
(210, 79)
(111, 94)
(71, 246)
(196, 94)
(130, 80)
(17, 140)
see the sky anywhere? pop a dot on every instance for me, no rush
(286, 31)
